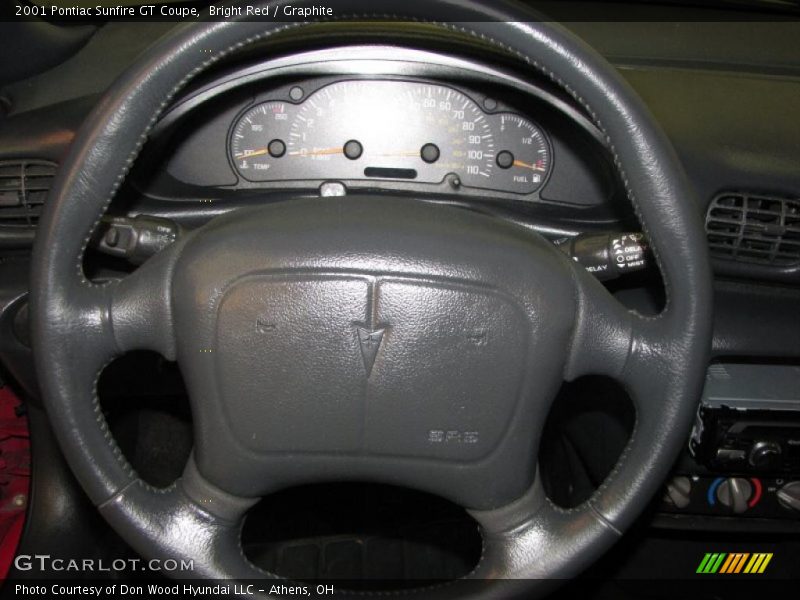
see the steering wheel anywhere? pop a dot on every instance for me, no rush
(371, 338)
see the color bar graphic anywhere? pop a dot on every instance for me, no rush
(711, 562)
(734, 563)
(758, 563)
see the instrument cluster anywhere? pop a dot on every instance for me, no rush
(389, 130)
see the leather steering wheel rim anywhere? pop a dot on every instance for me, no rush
(79, 326)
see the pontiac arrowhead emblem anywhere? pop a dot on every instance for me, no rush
(370, 341)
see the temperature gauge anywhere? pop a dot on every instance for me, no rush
(258, 141)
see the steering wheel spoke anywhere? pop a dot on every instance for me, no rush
(645, 355)
(531, 527)
(604, 330)
(210, 498)
(140, 309)
(619, 343)
(192, 515)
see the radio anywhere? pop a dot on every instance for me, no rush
(749, 420)
(744, 452)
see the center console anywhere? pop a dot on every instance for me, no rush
(743, 457)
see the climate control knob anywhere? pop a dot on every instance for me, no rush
(678, 492)
(789, 495)
(735, 493)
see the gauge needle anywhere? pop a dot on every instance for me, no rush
(322, 152)
(404, 153)
(249, 153)
(519, 163)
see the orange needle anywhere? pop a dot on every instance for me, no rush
(322, 152)
(519, 163)
(404, 153)
(249, 153)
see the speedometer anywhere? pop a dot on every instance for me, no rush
(461, 129)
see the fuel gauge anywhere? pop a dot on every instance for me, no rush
(523, 155)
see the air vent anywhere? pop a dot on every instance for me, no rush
(24, 185)
(754, 229)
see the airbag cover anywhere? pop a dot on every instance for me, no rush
(370, 338)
